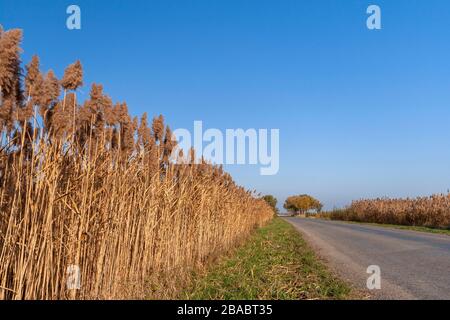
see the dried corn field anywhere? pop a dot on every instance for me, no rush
(87, 186)
(433, 211)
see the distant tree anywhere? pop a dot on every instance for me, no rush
(272, 201)
(302, 204)
(318, 207)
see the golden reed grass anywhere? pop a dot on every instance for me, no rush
(433, 211)
(91, 187)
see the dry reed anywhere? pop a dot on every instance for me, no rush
(88, 186)
(433, 211)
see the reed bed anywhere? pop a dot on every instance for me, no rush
(87, 187)
(433, 211)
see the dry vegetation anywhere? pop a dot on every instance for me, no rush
(275, 264)
(433, 211)
(87, 185)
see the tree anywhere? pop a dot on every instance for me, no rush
(271, 201)
(302, 204)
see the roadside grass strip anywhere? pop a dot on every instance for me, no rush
(276, 263)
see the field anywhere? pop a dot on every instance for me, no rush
(431, 212)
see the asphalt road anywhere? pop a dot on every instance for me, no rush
(413, 265)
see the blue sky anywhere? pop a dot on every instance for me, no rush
(361, 113)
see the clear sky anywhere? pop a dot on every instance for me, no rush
(361, 113)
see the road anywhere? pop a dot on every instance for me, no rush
(413, 265)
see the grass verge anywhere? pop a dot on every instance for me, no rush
(276, 263)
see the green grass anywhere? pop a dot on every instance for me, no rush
(275, 263)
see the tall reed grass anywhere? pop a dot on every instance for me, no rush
(87, 186)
